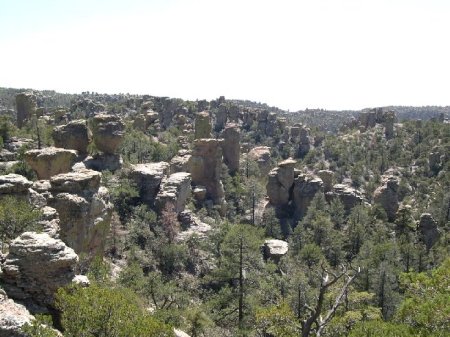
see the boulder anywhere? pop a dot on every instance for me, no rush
(202, 125)
(327, 178)
(231, 147)
(180, 163)
(275, 249)
(36, 267)
(74, 135)
(280, 182)
(12, 317)
(347, 195)
(386, 195)
(147, 178)
(50, 161)
(26, 107)
(103, 162)
(14, 184)
(428, 230)
(305, 188)
(108, 132)
(261, 154)
(174, 190)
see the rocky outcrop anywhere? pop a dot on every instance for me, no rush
(231, 147)
(369, 119)
(180, 163)
(261, 154)
(304, 143)
(108, 132)
(26, 107)
(389, 119)
(279, 185)
(103, 162)
(174, 190)
(12, 317)
(202, 125)
(275, 249)
(191, 225)
(36, 267)
(428, 230)
(147, 178)
(305, 188)
(14, 184)
(221, 117)
(327, 177)
(205, 168)
(386, 195)
(74, 135)
(347, 195)
(50, 161)
(84, 210)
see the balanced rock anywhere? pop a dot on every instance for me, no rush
(147, 178)
(202, 125)
(174, 190)
(428, 229)
(26, 107)
(50, 161)
(108, 132)
(74, 135)
(36, 267)
(279, 185)
(231, 147)
(305, 188)
(386, 195)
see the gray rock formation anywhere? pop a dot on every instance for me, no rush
(347, 195)
(180, 163)
(304, 142)
(280, 182)
(84, 210)
(205, 168)
(275, 249)
(36, 267)
(26, 107)
(428, 230)
(305, 188)
(327, 177)
(202, 125)
(147, 178)
(261, 154)
(50, 161)
(74, 135)
(108, 132)
(174, 190)
(12, 317)
(221, 117)
(386, 195)
(14, 184)
(231, 147)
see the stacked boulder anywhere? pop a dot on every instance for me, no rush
(50, 161)
(147, 178)
(203, 125)
(305, 189)
(75, 135)
(261, 155)
(174, 192)
(386, 195)
(280, 183)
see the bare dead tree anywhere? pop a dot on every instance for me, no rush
(315, 323)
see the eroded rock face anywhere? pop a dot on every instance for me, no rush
(348, 196)
(428, 229)
(231, 147)
(275, 249)
(84, 210)
(180, 163)
(205, 167)
(281, 180)
(327, 178)
(14, 184)
(304, 144)
(75, 135)
(50, 161)
(261, 154)
(202, 125)
(386, 195)
(108, 132)
(148, 177)
(174, 190)
(26, 107)
(12, 317)
(36, 267)
(305, 188)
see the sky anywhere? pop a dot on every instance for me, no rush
(294, 54)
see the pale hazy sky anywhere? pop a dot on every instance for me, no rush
(293, 54)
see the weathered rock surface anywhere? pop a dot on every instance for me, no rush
(12, 317)
(26, 107)
(103, 162)
(14, 184)
(50, 161)
(279, 185)
(261, 154)
(180, 163)
(428, 229)
(305, 188)
(174, 190)
(386, 195)
(203, 125)
(231, 147)
(191, 226)
(84, 210)
(275, 249)
(348, 196)
(327, 178)
(148, 177)
(108, 132)
(206, 163)
(36, 267)
(74, 135)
